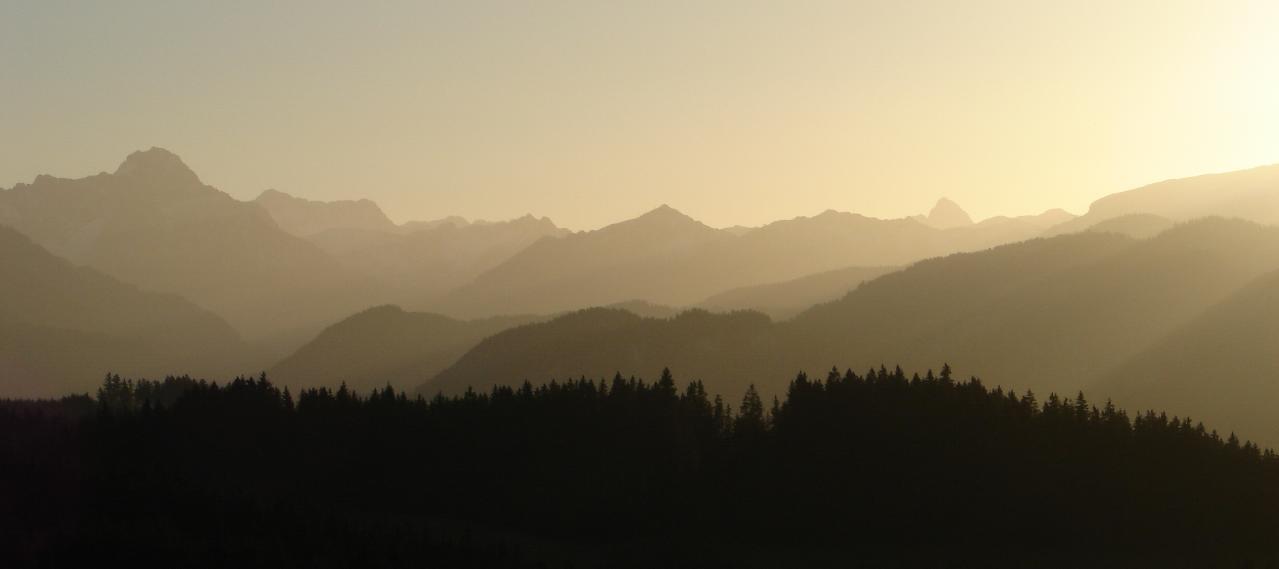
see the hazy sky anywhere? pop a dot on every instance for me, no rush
(734, 111)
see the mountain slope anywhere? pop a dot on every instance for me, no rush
(385, 345)
(786, 299)
(1251, 194)
(62, 327)
(153, 223)
(1136, 225)
(1220, 368)
(1047, 314)
(1070, 308)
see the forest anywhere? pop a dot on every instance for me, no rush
(874, 469)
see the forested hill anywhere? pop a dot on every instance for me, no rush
(874, 470)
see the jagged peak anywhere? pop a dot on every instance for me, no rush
(159, 164)
(531, 219)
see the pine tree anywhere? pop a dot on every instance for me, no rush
(750, 418)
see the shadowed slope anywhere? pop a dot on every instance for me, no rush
(1222, 368)
(385, 345)
(62, 327)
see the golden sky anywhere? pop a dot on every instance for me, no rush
(734, 111)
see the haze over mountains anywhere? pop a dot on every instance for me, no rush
(304, 218)
(784, 300)
(1247, 194)
(669, 258)
(154, 224)
(1132, 299)
(62, 327)
(421, 266)
(1057, 314)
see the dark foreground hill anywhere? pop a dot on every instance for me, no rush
(1046, 314)
(878, 470)
(63, 327)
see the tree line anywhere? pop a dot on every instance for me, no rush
(878, 469)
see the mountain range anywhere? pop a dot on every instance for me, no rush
(669, 258)
(146, 270)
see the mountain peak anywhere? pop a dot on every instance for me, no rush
(158, 164)
(947, 214)
(665, 212)
(273, 194)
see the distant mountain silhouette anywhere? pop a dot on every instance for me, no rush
(1045, 220)
(1048, 314)
(388, 345)
(304, 218)
(454, 220)
(63, 327)
(651, 257)
(1251, 194)
(420, 266)
(153, 223)
(668, 258)
(945, 215)
(786, 299)
(385, 345)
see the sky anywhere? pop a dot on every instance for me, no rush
(589, 112)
